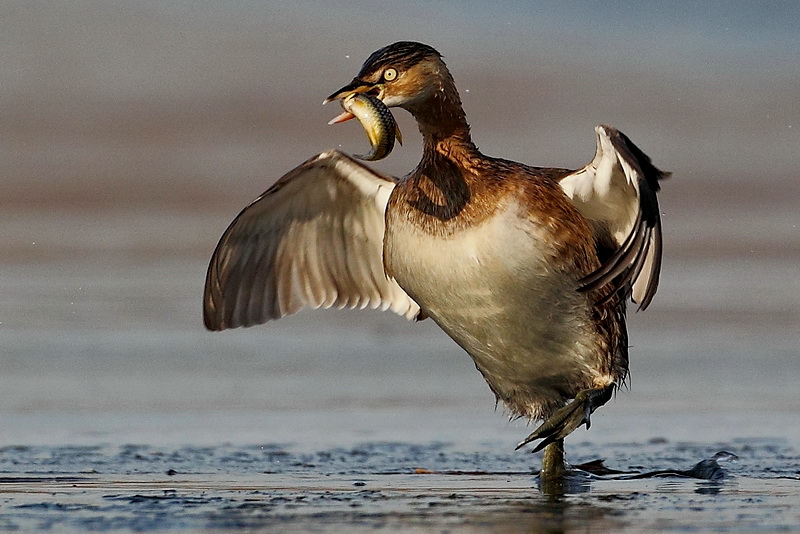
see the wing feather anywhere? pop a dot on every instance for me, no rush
(617, 191)
(313, 240)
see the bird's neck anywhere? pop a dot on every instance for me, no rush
(444, 184)
(446, 140)
(442, 121)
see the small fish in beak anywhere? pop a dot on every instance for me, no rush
(377, 120)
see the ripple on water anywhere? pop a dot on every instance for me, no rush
(389, 485)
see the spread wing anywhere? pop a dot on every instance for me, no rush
(313, 240)
(617, 192)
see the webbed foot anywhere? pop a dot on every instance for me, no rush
(570, 417)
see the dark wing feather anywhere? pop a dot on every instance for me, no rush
(617, 191)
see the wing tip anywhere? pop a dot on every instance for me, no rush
(212, 323)
(213, 319)
(623, 143)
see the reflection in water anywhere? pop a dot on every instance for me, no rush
(552, 516)
(573, 482)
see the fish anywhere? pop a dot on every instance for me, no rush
(377, 121)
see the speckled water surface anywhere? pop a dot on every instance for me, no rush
(395, 486)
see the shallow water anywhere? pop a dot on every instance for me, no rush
(391, 486)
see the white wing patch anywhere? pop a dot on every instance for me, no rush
(617, 191)
(313, 240)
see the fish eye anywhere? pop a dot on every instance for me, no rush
(389, 74)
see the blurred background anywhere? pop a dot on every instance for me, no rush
(132, 132)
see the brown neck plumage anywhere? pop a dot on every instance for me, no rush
(444, 182)
(441, 117)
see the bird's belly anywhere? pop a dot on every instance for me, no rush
(494, 289)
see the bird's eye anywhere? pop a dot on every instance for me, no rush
(389, 75)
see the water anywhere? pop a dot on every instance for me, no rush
(118, 412)
(390, 486)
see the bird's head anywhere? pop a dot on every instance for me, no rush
(403, 74)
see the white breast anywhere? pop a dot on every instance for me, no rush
(494, 289)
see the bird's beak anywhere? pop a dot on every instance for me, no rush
(356, 86)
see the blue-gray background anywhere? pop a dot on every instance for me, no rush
(131, 132)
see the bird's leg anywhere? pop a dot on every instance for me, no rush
(564, 421)
(553, 465)
(553, 475)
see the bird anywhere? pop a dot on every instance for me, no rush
(528, 269)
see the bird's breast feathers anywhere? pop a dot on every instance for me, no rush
(494, 289)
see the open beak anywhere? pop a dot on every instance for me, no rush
(356, 86)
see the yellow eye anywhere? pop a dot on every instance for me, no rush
(389, 75)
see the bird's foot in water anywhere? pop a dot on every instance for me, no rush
(570, 417)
